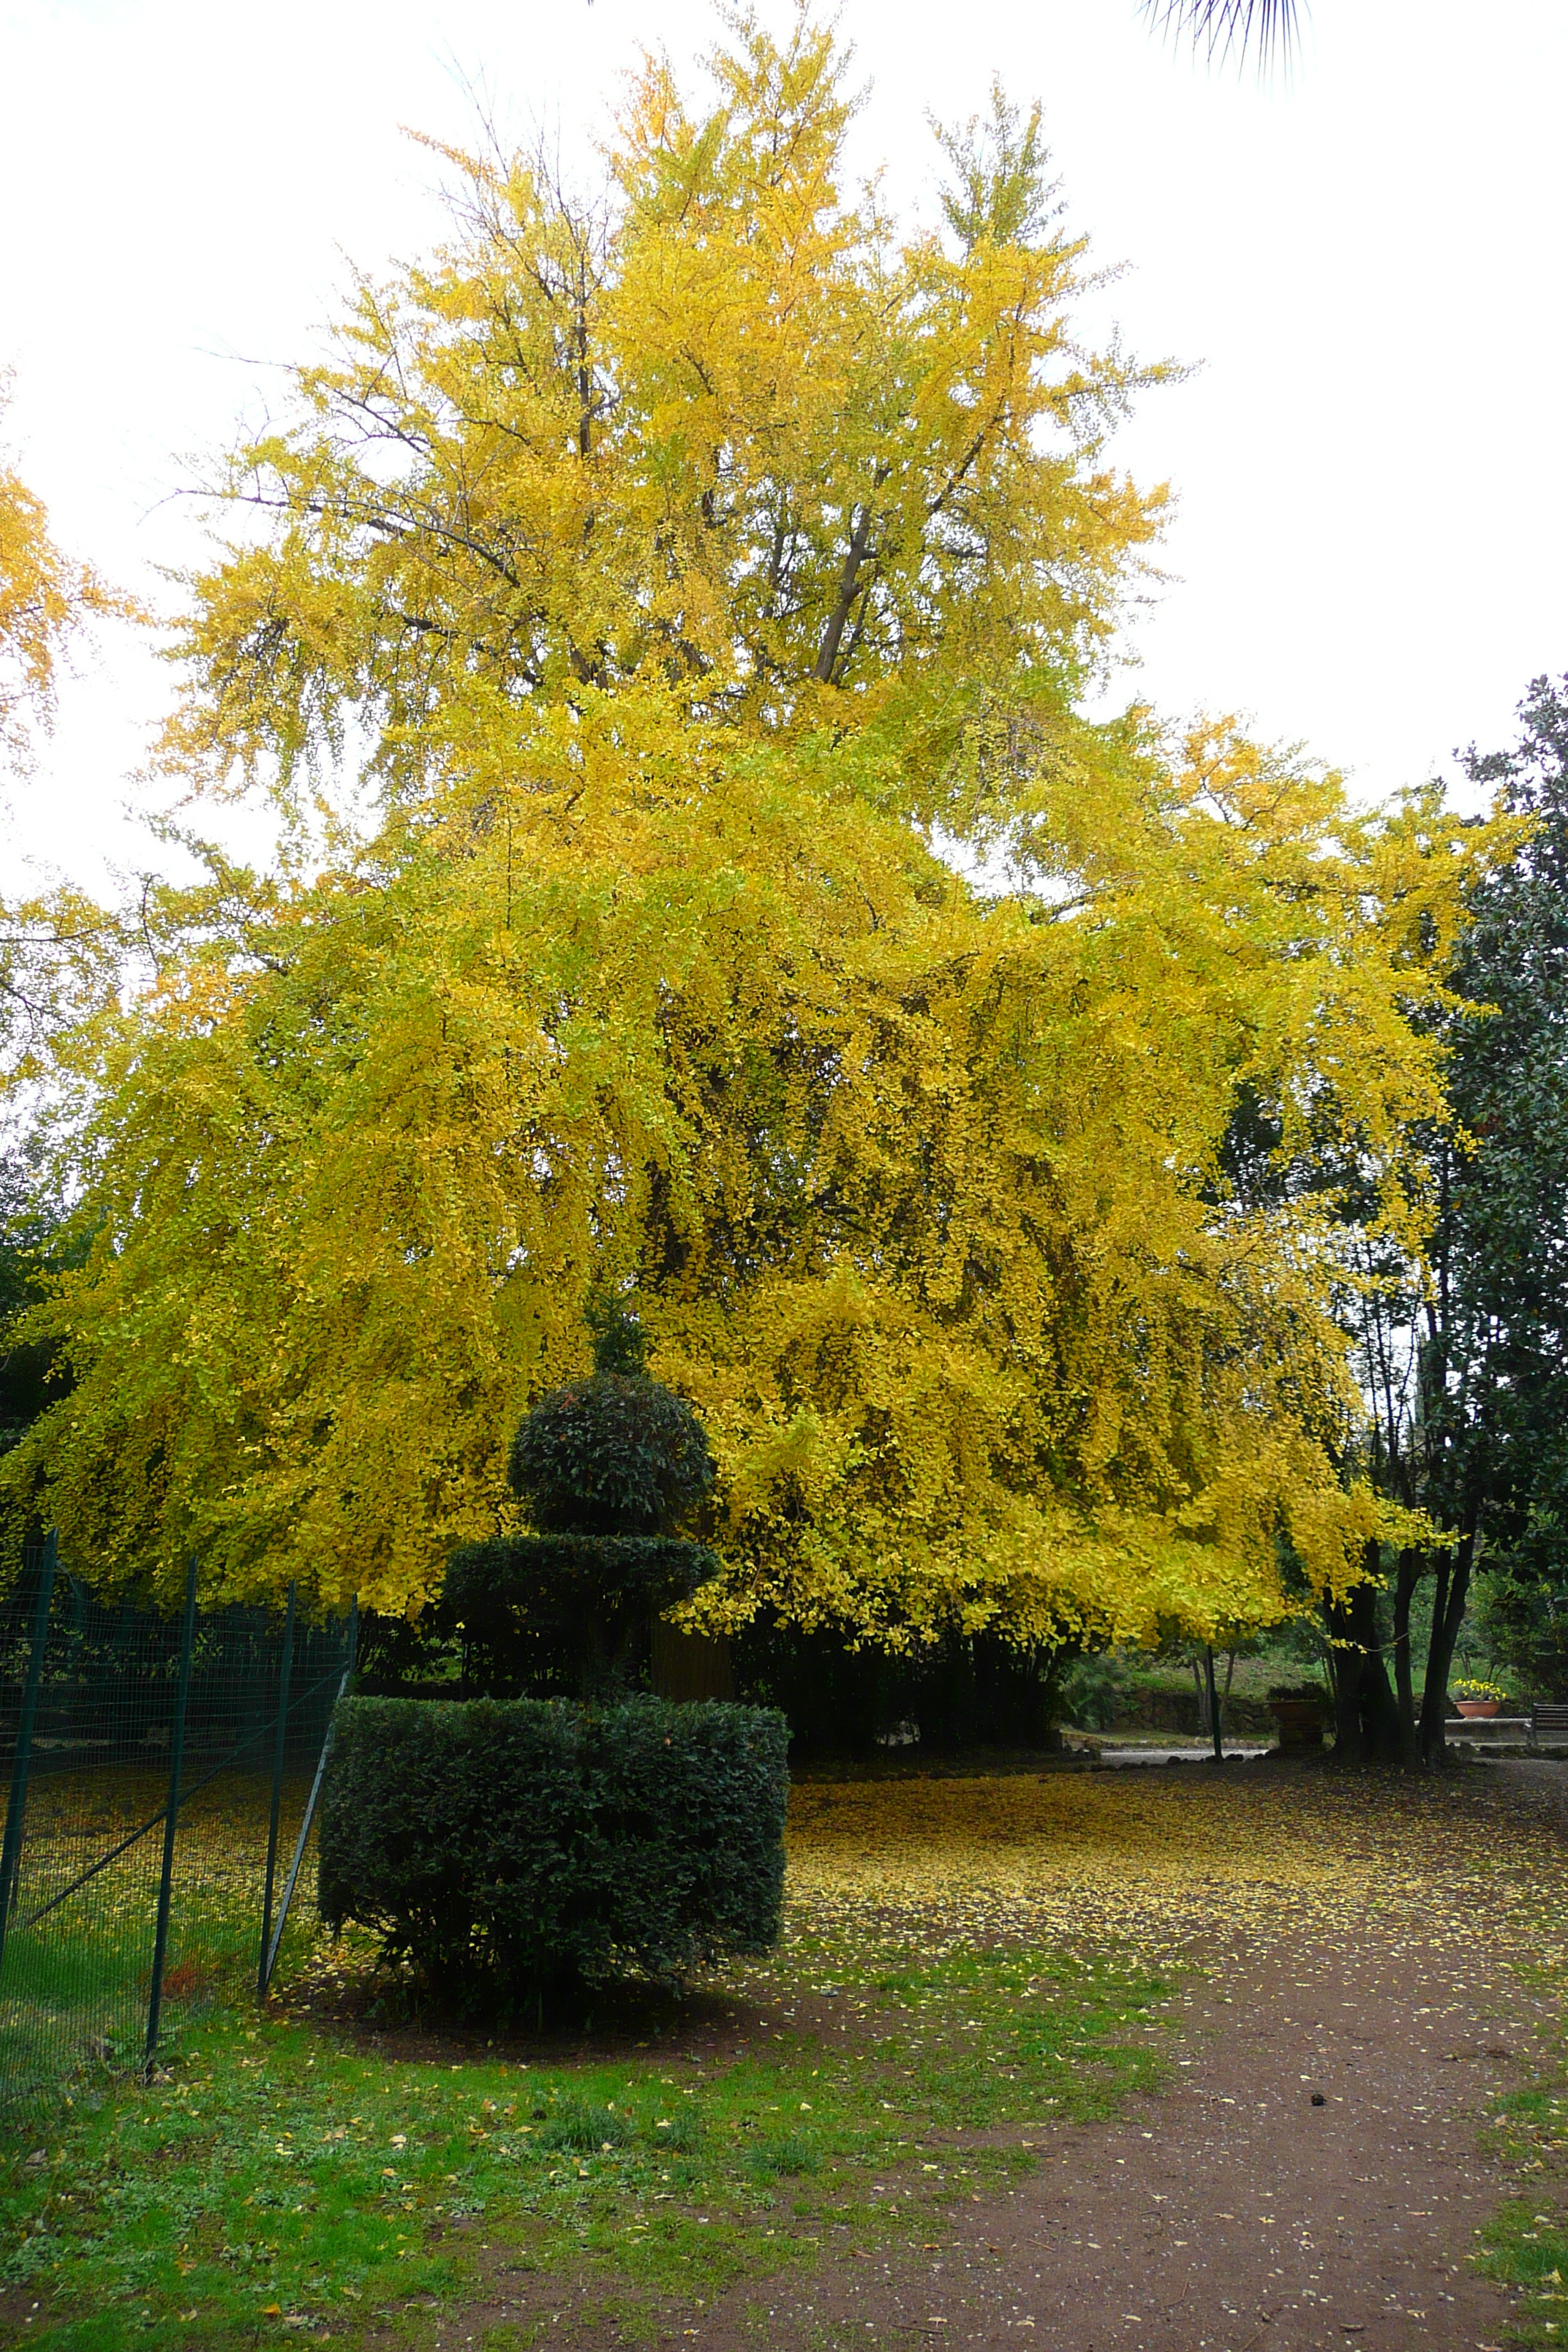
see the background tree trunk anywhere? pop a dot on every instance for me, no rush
(1412, 1565)
(1202, 1695)
(1447, 1616)
(1366, 1718)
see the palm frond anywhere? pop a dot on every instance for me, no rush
(1267, 27)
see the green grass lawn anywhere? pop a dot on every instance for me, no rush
(282, 2179)
(970, 1964)
(79, 1944)
(1526, 2243)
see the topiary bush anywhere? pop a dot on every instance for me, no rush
(574, 1603)
(617, 1453)
(611, 1455)
(508, 1848)
(607, 1467)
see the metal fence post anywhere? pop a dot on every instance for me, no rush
(269, 1959)
(1215, 1734)
(11, 1855)
(170, 1820)
(278, 1749)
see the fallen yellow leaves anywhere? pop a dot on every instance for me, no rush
(1159, 1860)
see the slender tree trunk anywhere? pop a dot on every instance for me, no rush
(1366, 1716)
(1431, 1700)
(1347, 1684)
(1447, 1617)
(1197, 1685)
(1411, 1565)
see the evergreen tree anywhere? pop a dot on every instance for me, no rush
(1507, 1266)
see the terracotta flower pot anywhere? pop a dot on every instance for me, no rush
(1300, 1722)
(1477, 1705)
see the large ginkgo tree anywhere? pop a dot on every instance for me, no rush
(706, 575)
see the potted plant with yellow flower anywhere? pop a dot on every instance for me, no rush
(1479, 1698)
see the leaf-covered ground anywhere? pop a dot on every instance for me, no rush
(1036, 2063)
(1164, 1859)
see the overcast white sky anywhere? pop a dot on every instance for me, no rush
(1366, 258)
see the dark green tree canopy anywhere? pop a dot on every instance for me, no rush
(1465, 1356)
(1506, 1230)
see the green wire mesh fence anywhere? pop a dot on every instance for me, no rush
(162, 1777)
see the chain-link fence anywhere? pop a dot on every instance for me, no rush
(162, 1777)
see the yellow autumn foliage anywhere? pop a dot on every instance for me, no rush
(57, 955)
(44, 596)
(687, 569)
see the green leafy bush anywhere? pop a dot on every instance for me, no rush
(606, 1467)
(507, 1847)
(615, 1455)
(612, 1457)
(1091, 1692)
(581, 1598)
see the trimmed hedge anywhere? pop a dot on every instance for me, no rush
(610, 1456)
(510, 1581)
(508, 1845)
(541, 1610)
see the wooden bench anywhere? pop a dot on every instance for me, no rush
(1549, 1722)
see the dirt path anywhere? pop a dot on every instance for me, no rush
(1231, 2214)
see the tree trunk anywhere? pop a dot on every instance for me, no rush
(1347, 1684)
(1366, 1715)
(1411, 1568)
(1447, 1616)
(1204, 1727)
(833, 635)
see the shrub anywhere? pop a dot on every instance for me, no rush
(615, 1455)
(582, 1599)
(507, 1847)
(610, 1458)
(1091, 1692)
(606, 1467)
